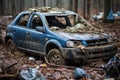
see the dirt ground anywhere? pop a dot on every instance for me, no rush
(12, 64)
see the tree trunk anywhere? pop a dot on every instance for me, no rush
(1, 7)
(20, 4)
(44, 2)
(84, 9)
(107, 8)
(88, 9)
(71, 5)
(13, 7)
(75, 5)
(36, 3)
(59, 3)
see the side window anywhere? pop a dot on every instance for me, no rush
(23, 20)
(58, 21)
(36, 21)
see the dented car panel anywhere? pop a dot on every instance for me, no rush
(58, 35)
(90, 53)
(83, 36)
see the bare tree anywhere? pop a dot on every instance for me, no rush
(36, 3)
(21, 4)
(75, 5)
(71, 5)
(88, 8)
(44, 2)
(1, 7)
(84, 9)
(13, 7)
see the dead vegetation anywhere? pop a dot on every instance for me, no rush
(112, 28)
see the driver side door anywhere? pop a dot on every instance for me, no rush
(35, 40)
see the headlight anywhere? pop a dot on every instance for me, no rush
(73, 43)
(70, 44)
(110, 40)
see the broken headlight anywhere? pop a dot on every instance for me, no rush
(73, 43)
(109, 40)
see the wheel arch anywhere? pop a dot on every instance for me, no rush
(7, 38)
(51, 45)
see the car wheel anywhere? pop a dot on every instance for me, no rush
(54, 56)
(11, 47)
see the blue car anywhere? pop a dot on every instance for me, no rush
(59, 35)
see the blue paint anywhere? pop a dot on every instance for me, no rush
(84, 43)
(111, 16)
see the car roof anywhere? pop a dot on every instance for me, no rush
(50, 12)
(59, 13)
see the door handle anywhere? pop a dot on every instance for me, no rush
(27, 33)
(14, 31)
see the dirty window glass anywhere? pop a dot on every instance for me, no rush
(68, 23)
(58, 21)
(23, 20)
(36, 21)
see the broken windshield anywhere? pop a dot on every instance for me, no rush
(69, 23)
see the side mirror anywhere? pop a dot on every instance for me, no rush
(40, 29)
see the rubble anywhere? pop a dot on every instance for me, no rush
(61, 73)
(27, 67)
(112, 28)
(46, 9)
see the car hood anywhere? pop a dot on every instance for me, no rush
(83, 36)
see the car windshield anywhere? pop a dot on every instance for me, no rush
(69, 23)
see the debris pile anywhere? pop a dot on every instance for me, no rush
(61, 73)
(4, 21)
(7, 69)
(47, 73)
(19, 65)
(46, 9)
(112, 28)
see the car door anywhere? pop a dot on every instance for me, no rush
(19, 30)
(35, 40)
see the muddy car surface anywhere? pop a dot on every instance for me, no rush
(59, 35)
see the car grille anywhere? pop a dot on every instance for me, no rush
(97, 42)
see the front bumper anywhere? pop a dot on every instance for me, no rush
(89, 53)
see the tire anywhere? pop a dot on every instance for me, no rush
(54, 57)
(11, 47)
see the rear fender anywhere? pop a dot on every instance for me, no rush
(9, 36)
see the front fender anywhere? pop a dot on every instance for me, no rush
(55, 42)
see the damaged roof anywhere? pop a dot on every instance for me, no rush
(52, 11)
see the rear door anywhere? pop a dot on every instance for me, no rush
(19, 30)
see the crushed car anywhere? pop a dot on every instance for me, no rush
(100, 15)
(59, 35)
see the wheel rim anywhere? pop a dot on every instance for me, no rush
(55, 58)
